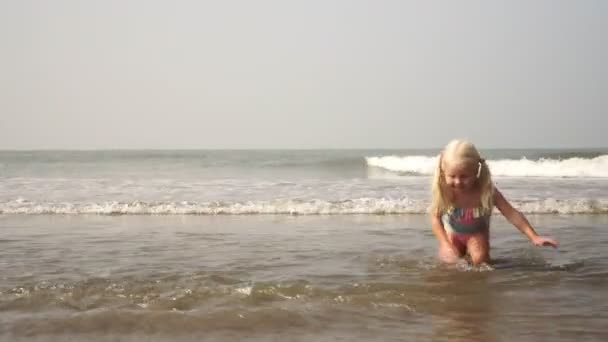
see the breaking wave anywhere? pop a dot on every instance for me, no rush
(368, 206)
(596, 167)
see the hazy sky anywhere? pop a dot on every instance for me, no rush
(302, 74)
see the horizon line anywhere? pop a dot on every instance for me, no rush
(287, 149)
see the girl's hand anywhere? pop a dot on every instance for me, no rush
(543, 241)
(447, 253)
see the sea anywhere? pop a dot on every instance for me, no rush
(292, 245)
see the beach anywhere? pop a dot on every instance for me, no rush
(290, 245)
(266, 170)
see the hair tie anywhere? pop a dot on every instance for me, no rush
(479, 165)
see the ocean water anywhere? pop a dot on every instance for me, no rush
(284, 182)
(291, 245)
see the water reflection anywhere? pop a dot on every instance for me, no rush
(464, 304)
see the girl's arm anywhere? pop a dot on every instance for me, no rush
(519, 220)
(447, 252)
(439, 231)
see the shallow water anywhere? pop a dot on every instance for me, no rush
(264, 277)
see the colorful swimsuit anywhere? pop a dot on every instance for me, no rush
(462, 223)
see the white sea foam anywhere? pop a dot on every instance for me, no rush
(373, 206)
(572, 167)
(410, 164)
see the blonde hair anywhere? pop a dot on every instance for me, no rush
(461, 152)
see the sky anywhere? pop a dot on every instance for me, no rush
(120, 74)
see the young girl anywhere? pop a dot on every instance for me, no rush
(463, 199)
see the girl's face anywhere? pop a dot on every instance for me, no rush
(460, 177)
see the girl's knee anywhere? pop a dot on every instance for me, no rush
(448, 258)
(479, 258)
(448, 255)
(479, 249)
